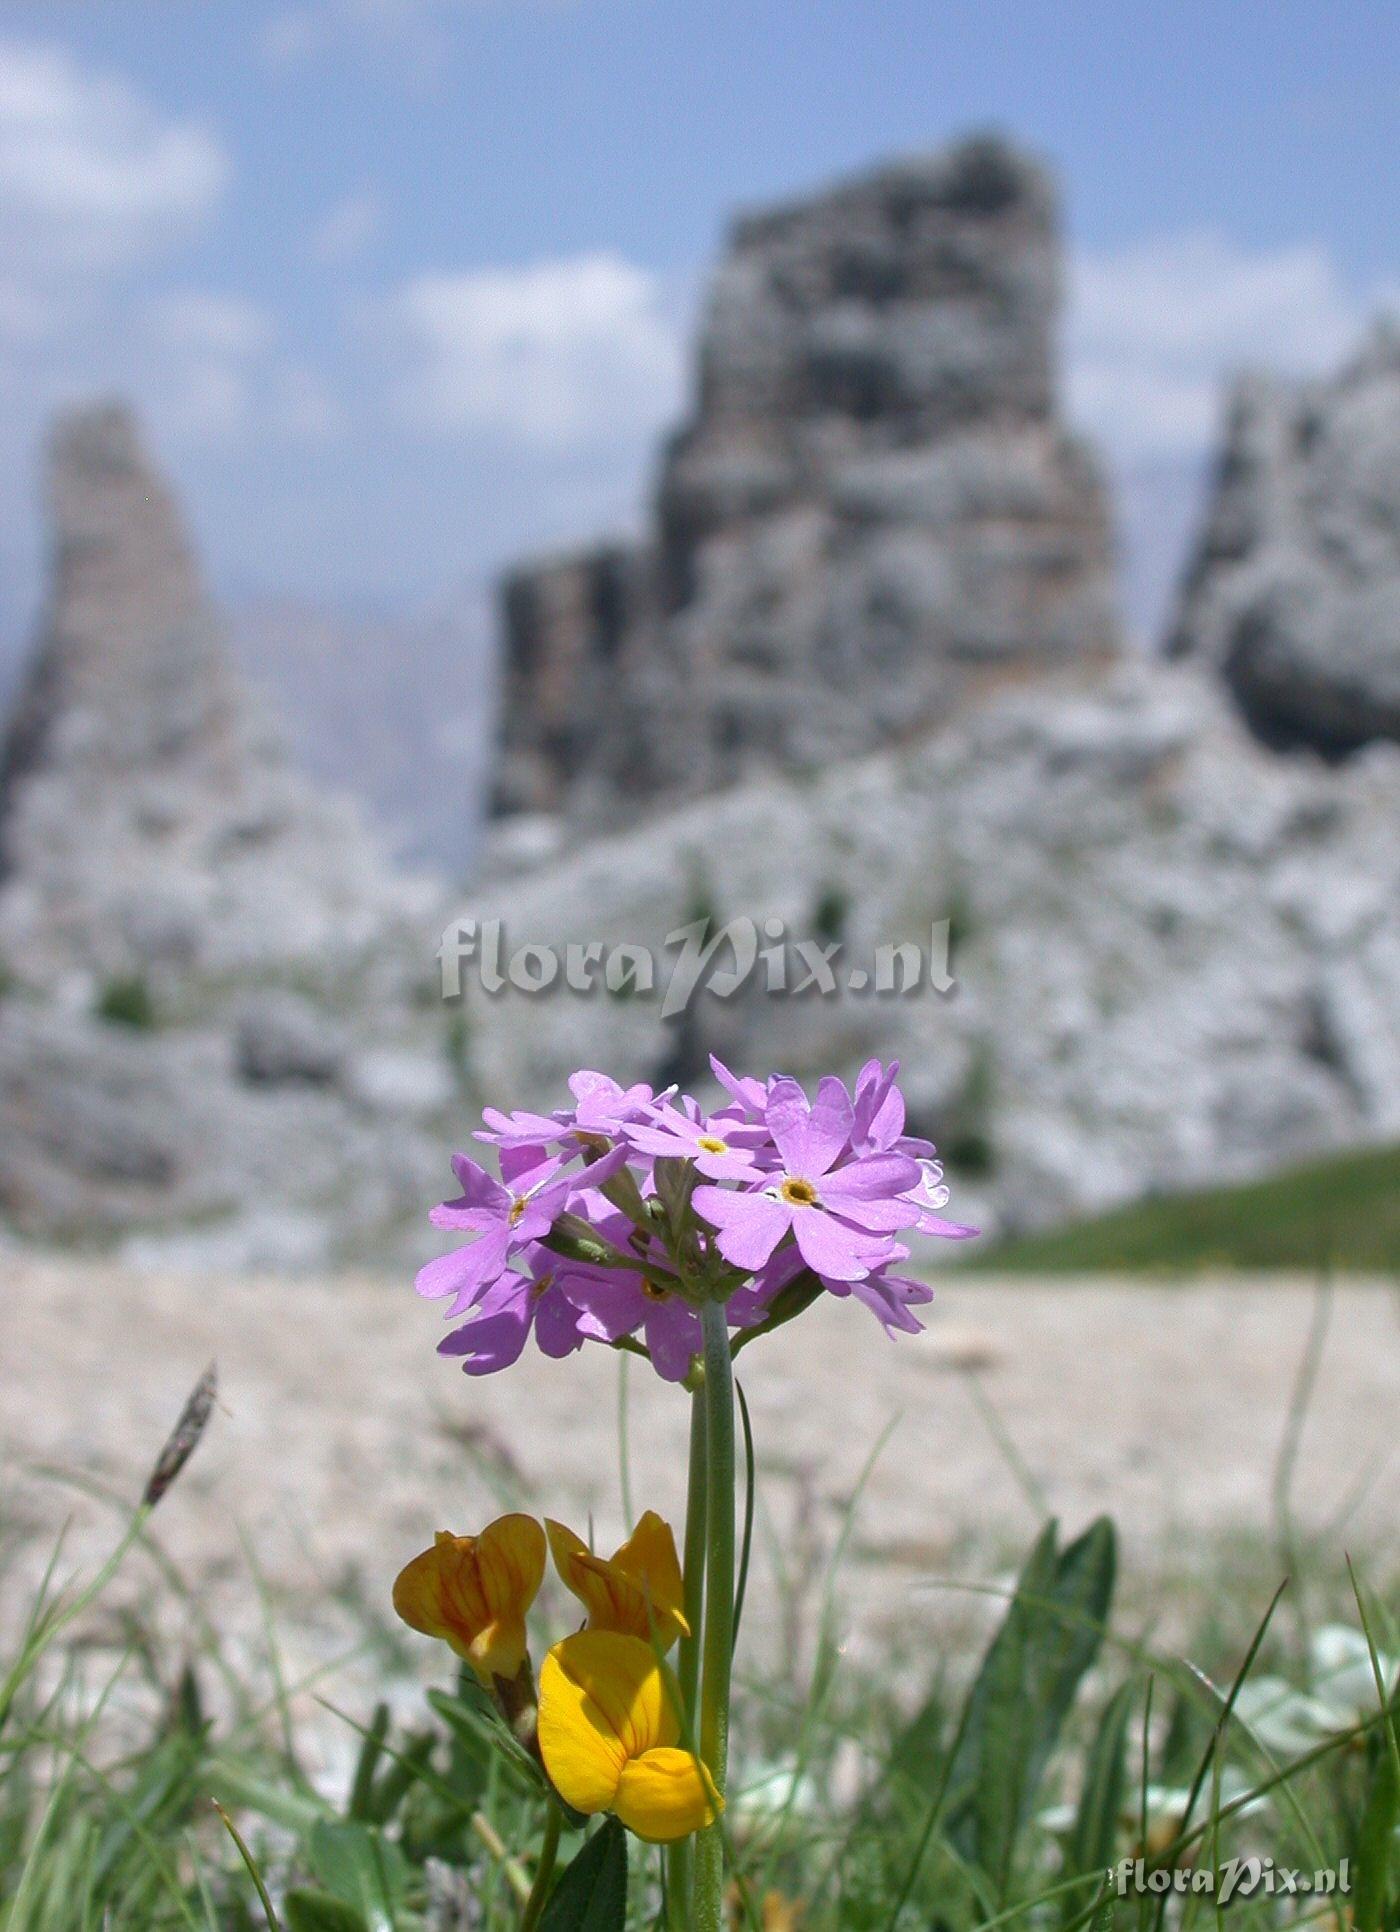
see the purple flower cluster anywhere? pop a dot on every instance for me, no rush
(613, 1219)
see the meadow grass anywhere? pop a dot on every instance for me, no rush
(142, 1790)
(1341, 1213)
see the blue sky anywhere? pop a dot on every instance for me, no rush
(405, 287)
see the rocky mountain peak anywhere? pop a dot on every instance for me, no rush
(913, 297)
(872, 511)
(130, 671)
(1294, 592)
(150, 818)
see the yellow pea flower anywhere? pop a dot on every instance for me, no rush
(637, 1591)
(474, 1591)
(609, 1737)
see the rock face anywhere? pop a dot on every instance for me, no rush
(873, 511)
(1177, 956)
(565, 622)
(130, 678)
(205, 959)
(149, 815)
(1294, 594)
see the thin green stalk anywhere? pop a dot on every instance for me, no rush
(54, 1619)
(544, 1871)
(746, 1545)
(624, 1450)
(273, 1922)
(719, 1604)
(688, 1656)
(680, 1859)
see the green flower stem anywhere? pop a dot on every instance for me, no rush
(544, 1871)
(719, 1604)
(695, 1517)
(680, 1859)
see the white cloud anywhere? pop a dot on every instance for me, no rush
(1154, 331)
(203, 323)
(203, 363)
(419, 29)
(560, 354)
(91, 176)
(214, 375)
(349, 228)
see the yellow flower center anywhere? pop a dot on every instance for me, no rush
(517, 1208)
(711, 1145)
(542, 1284)
(653, 1293)
(799, 1193)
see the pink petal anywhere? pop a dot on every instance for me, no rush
(674, 1336)
(750, 1225)
(458, 1218)
(945, 1230)
(887, 1306)
(787, 1116)
(445, 1275)
(879, 1217)
(873, 1177)
(751, 1095)
(489, 1343)
(832, 1249)
(479, 1188)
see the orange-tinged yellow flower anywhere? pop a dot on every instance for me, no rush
(610, 1735)
(474, 1591)
(637, 1591)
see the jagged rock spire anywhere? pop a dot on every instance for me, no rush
(130, 673)
(150, 818)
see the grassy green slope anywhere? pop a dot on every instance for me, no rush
(1342, 1213)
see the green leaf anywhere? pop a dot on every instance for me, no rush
(1048, 1639)
(1373, 1851)
(361, 1868)
(1095, 1837)
(404, 1771)
(361, 1804)
(187, 1714)
(918, 1755)
(592, 1894)
(160, 1794)
(1188, 1733)
(321, 1912)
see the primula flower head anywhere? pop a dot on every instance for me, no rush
(637, 1591)
(615, 1219)
(609, 1735)
(474, 1591)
